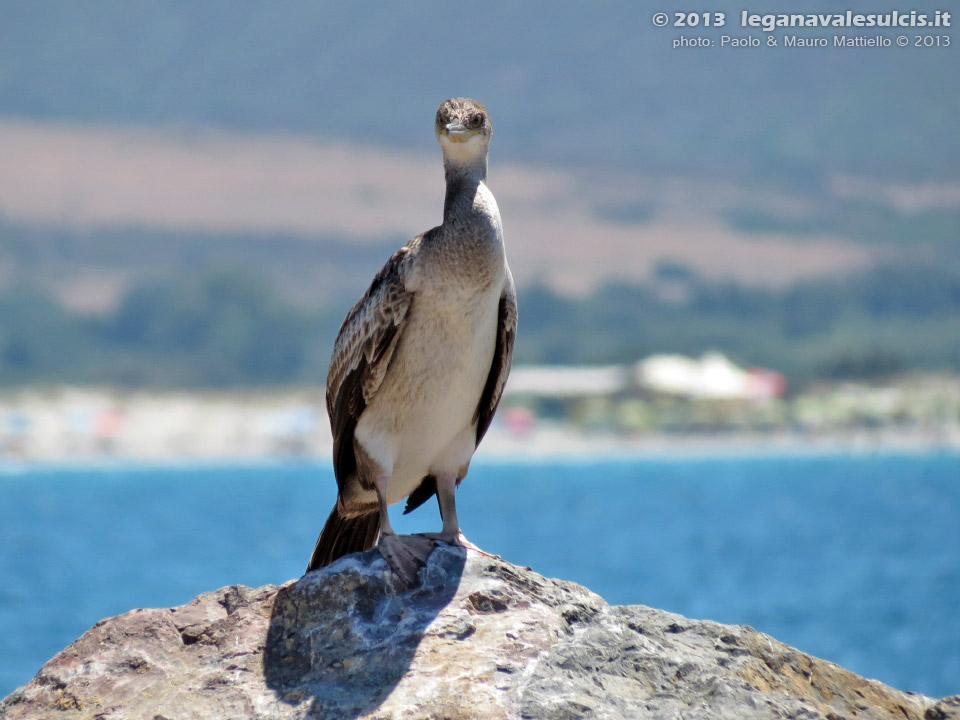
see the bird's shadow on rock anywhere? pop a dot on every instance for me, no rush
(342, 638)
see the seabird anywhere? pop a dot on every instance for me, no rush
(420, 363)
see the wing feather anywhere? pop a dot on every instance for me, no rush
(502, 359)
(362, 353)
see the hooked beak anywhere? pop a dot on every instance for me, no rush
(458, 133)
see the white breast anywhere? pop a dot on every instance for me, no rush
(421, 421)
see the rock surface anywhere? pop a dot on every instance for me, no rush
(478, 638)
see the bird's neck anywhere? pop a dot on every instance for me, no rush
(463, 180)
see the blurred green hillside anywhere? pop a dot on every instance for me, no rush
(229, 329)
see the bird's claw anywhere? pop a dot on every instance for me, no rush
(458, 539)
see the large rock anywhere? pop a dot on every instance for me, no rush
(478, 638)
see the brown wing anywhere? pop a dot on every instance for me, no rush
(502, 358)
(361, 355)
(492, 390)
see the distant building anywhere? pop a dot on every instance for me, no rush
(568, 382)
(660, 392)
(712, 376)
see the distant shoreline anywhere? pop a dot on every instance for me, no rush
(556, 445)
(561, 443)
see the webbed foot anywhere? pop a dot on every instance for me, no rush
(405, 554)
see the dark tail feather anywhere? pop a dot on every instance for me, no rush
(425, 490)
(341, 536)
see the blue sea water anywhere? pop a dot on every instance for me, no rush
(855, 559)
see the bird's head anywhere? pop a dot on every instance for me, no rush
(463, 129)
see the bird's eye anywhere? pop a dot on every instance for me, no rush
(475, 121)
